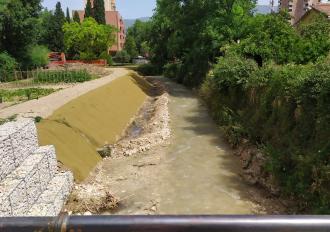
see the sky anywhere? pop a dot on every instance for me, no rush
(129, 9)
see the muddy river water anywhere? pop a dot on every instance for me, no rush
(195, 173)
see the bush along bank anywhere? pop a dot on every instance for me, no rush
(285, 110)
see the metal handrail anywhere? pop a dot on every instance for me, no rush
(65, 223)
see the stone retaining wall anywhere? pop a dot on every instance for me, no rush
(30, 184)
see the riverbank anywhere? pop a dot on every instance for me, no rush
(195, 172)
(92, 120)
(149, 129)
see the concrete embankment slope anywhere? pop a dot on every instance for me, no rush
(86, 123)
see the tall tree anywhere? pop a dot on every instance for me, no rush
(19, 26)
(193, 31)
(99, 11)
(88, 9)
(130, 46)
(68, 18)
(76, 17)
(57, 38)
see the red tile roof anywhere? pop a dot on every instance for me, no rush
(323, 7)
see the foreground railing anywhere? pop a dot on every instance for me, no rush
(66, 223)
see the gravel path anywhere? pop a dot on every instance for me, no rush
(45, 106)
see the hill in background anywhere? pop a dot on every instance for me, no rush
(261, 9)
(130, 22)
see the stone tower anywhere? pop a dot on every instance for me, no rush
(110, 5)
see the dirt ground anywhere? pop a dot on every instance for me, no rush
(149, 129)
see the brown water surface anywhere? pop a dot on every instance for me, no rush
(196, 173)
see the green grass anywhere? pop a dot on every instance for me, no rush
(17, 95)
(63, 76)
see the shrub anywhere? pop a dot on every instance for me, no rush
(172, 70)
(7, 67)
(38, 56)
(122, 57)
(284, 108)
(149, 70)
(107, 57)
(62, 76)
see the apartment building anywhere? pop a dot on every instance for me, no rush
(298, 8)
(112, 17)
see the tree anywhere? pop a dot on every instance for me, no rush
(88, 9)
(18, 27)
(7, 66)
(76, 17)
(46, 19)
(56, 42)
(271, 37)
(137, 39)
(89, 39)
(68, 18)
(193, 32)
(130, 47)
(99, 11)
(315, 39)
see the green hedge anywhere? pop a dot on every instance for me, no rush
(284, 109)
(62, 76)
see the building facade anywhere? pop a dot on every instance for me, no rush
(298, 8)
(113, 18)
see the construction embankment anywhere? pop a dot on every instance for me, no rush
(92, 120)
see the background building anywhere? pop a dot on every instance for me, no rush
(112, 17)
(298, 8)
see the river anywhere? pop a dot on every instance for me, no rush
(195, 173)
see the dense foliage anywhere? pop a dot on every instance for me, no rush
(76, 17)
(99, 11)
(88, 40)
(193, 32)
(137, 38)
(122, 57)
(286, 110)
(88, 9)
(18, 27)
(57, 33)
(7, 66)
(68, 18)
(38, 56)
